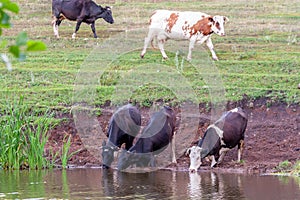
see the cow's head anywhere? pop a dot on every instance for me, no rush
(108, 154)
(106, 14)
(218, 24)
(194, 153)
(169, 112)
(125, 159)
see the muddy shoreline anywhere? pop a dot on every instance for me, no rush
(272, 136)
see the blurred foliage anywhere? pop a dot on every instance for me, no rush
(22, 44)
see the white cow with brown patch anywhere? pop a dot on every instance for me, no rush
(196, 27)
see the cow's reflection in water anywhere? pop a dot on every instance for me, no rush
(172, 184)
(194, 185)
(213, 185)
(150, 185)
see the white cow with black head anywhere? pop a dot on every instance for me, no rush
(226, 133)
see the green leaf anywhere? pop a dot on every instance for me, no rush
(8, 5)
(4, 20)
(13, 7)
(3, 44)
(15, 50)
(21, 39)
(33, 45)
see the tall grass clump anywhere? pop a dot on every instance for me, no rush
(23, 135)
(65, 155)
(296, 169)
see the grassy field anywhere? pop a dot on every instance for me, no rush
(259, 57)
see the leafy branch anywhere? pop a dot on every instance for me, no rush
(22, 44)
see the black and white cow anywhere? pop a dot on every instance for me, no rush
(197, 27)
(154, 138)
(123, 127)
(81, 11)
(220, 137)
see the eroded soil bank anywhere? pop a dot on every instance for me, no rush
(272, 136)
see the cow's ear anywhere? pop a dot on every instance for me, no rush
(211, 19)
(226, 19)
(123, 146)
(188, 151)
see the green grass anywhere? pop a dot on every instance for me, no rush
(296, 169)
(65, 154)
(259, 57)
(286, 168)
(23, 134)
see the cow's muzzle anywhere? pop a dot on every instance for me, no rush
(192, 170)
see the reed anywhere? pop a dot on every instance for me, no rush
(23, 135)
(36, 140)
(65, 155)
(296, 169)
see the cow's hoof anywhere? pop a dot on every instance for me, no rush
(216, 59)
(165, 58)
(105, 166)
(142, 56)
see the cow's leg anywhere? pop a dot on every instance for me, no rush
(148, 39)
(55, 24)
(213, 161)
(152, 161)
(161, 38)
(191, 47)
(173, 150)
(211, 48)
(77, 28)
(94, 29)
(240, 149)
(222, 153)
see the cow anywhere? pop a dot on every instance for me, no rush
(123, 127)
(223, 135)
(154, 138)
(196, 27)
(81, 11)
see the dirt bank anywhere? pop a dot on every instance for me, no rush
(272, 136)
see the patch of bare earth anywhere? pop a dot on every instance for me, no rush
(272, 136)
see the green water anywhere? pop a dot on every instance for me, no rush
(110, 184)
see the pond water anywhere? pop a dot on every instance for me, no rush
(111, 184)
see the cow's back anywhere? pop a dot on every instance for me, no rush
(175, 24)
(156, 135)
(124, 126)
(234, 126)
(70, 9)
